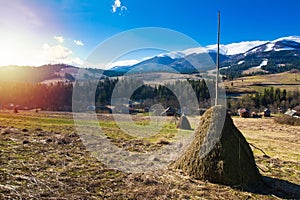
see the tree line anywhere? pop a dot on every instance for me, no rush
(58, 96)
(55, 97)
(278, 100)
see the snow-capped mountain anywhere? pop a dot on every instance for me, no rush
(282, 44)
(236, 57)
(275, 56)
(228, 50)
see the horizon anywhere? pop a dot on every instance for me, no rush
(64, 31)
(130, 59)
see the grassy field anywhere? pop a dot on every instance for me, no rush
(280, 142)
(286, 80)
(42, 157)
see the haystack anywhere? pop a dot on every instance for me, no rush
(230, 161)
(184, 123)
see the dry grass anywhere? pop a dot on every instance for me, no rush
(43, 158)
(286, 80)
(280, 142)
(286, 119)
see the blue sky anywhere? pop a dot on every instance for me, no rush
(39, 31)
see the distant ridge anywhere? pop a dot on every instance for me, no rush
(237, 59)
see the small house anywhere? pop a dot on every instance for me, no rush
(267, 112)
(297, 109)
(243, 112)
(291, 112)
(295, 112)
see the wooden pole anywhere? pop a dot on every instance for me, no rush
(218, 61)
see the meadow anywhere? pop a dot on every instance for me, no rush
(251, 84)
(42, 157)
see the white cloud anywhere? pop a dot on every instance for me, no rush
(26, 49)
(118, 6)
(59, 39)
(59, 54)
(78, 42)
(76, 61)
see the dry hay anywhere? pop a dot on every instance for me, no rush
(286, 119)
(184, 123)
(230, 162)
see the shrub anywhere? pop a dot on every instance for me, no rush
(286, 119)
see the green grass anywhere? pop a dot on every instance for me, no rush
(65, 124)
(21, 121)
(112, 130)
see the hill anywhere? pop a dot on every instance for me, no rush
(286, 80)
(45, 74)
(276, 56)
(237, 59)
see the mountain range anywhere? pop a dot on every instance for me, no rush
(237, 59)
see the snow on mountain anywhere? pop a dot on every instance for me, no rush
(241, 62)
(184, 53)
(269, 46)
(229, 49)
(173, 54)
(263, 63)
(234, 52)
(290, 38)
(242, 47)
(214, 48)
(275, 46)
(197, 50)
(285, 49)
(236, 48)
(124, 63)
(282, 44)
